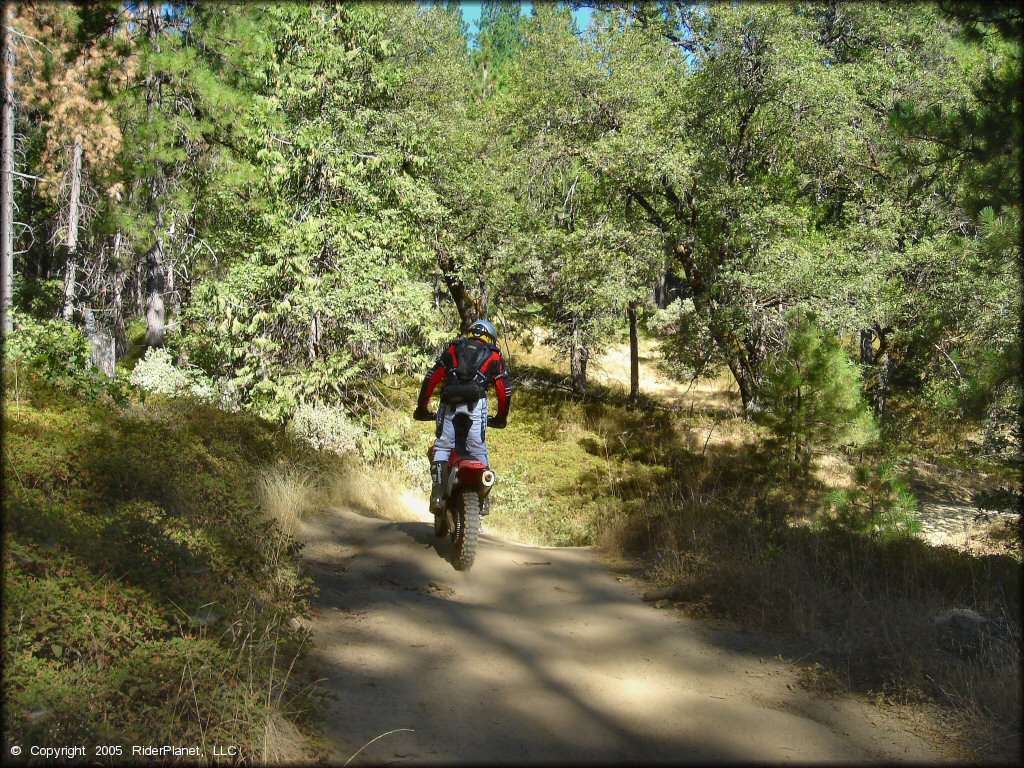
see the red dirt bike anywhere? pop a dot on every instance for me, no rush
(469, 483)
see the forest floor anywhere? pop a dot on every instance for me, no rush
(545, 654)
(947, 508)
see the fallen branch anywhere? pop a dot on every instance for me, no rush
(373, 740)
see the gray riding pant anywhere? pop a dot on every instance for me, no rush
(445, 432)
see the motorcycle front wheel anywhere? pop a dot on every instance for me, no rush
(467, 529)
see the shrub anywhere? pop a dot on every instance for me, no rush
(152, 595)
(157, 374)
(326, 428)
(812, 397)
(1002, 429)
(61, 354)
(879, 504)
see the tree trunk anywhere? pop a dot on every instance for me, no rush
(76, 196)
(102, 345)
(139, 287)
(69, 287)
(634, 357)
(71, 241)
(867, 348)
(468, 306)
(118, 329)
(879, 364)
(155, 268)
(7, 173)
(578, 357)
(669, 287)
(154, 294)
(315, 334)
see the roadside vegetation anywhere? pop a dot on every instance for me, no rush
(151, 589)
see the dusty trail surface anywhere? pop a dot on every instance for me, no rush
(545, 655)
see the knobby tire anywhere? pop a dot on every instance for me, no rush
(467, 529)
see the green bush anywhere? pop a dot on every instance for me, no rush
(60, 354)
(812, 397)
(879, 504)
(1002, 429)
(157, 374)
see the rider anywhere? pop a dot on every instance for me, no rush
(466, 368)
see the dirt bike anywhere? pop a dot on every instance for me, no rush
(469, 483)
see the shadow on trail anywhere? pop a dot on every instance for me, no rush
(534, 656)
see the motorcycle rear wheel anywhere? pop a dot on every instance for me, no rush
(467, 529)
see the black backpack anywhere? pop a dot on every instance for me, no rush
(469, 382)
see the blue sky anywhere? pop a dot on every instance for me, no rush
(471, 13)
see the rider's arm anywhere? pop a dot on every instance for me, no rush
(435, 376)
(497, 371)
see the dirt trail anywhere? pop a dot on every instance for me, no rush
(547, 655)
(543, 655)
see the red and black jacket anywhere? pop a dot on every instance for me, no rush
(486, 366)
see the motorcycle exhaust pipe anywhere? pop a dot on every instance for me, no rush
(487, 478)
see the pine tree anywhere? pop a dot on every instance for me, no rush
(812, 397)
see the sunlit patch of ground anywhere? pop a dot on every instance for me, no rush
(715, 394)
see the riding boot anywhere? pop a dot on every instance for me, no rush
(485, 506)
(439, 479)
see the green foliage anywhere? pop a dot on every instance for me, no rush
(1003, 427)
(879, 504)
(811, 397)
(688, 349)
(499, 41)
(61, 355)
(336, 294)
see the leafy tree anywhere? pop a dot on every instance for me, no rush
(589, 264)
(497, 43)
(181, 117)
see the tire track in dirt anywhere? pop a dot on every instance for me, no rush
(543, 655)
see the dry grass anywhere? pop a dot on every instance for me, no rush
(986, 692)
(868, 606)
(286, 494)
(378, 491)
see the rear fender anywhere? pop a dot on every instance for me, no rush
(472, 474)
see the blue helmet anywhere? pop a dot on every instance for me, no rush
(483, 329)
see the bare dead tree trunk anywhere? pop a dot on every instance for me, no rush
(634, 357)
(102, 341)
(118, 329)
(76, 195)
(155, 269)
(7, 173)
(70, 276)
(139, 285)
